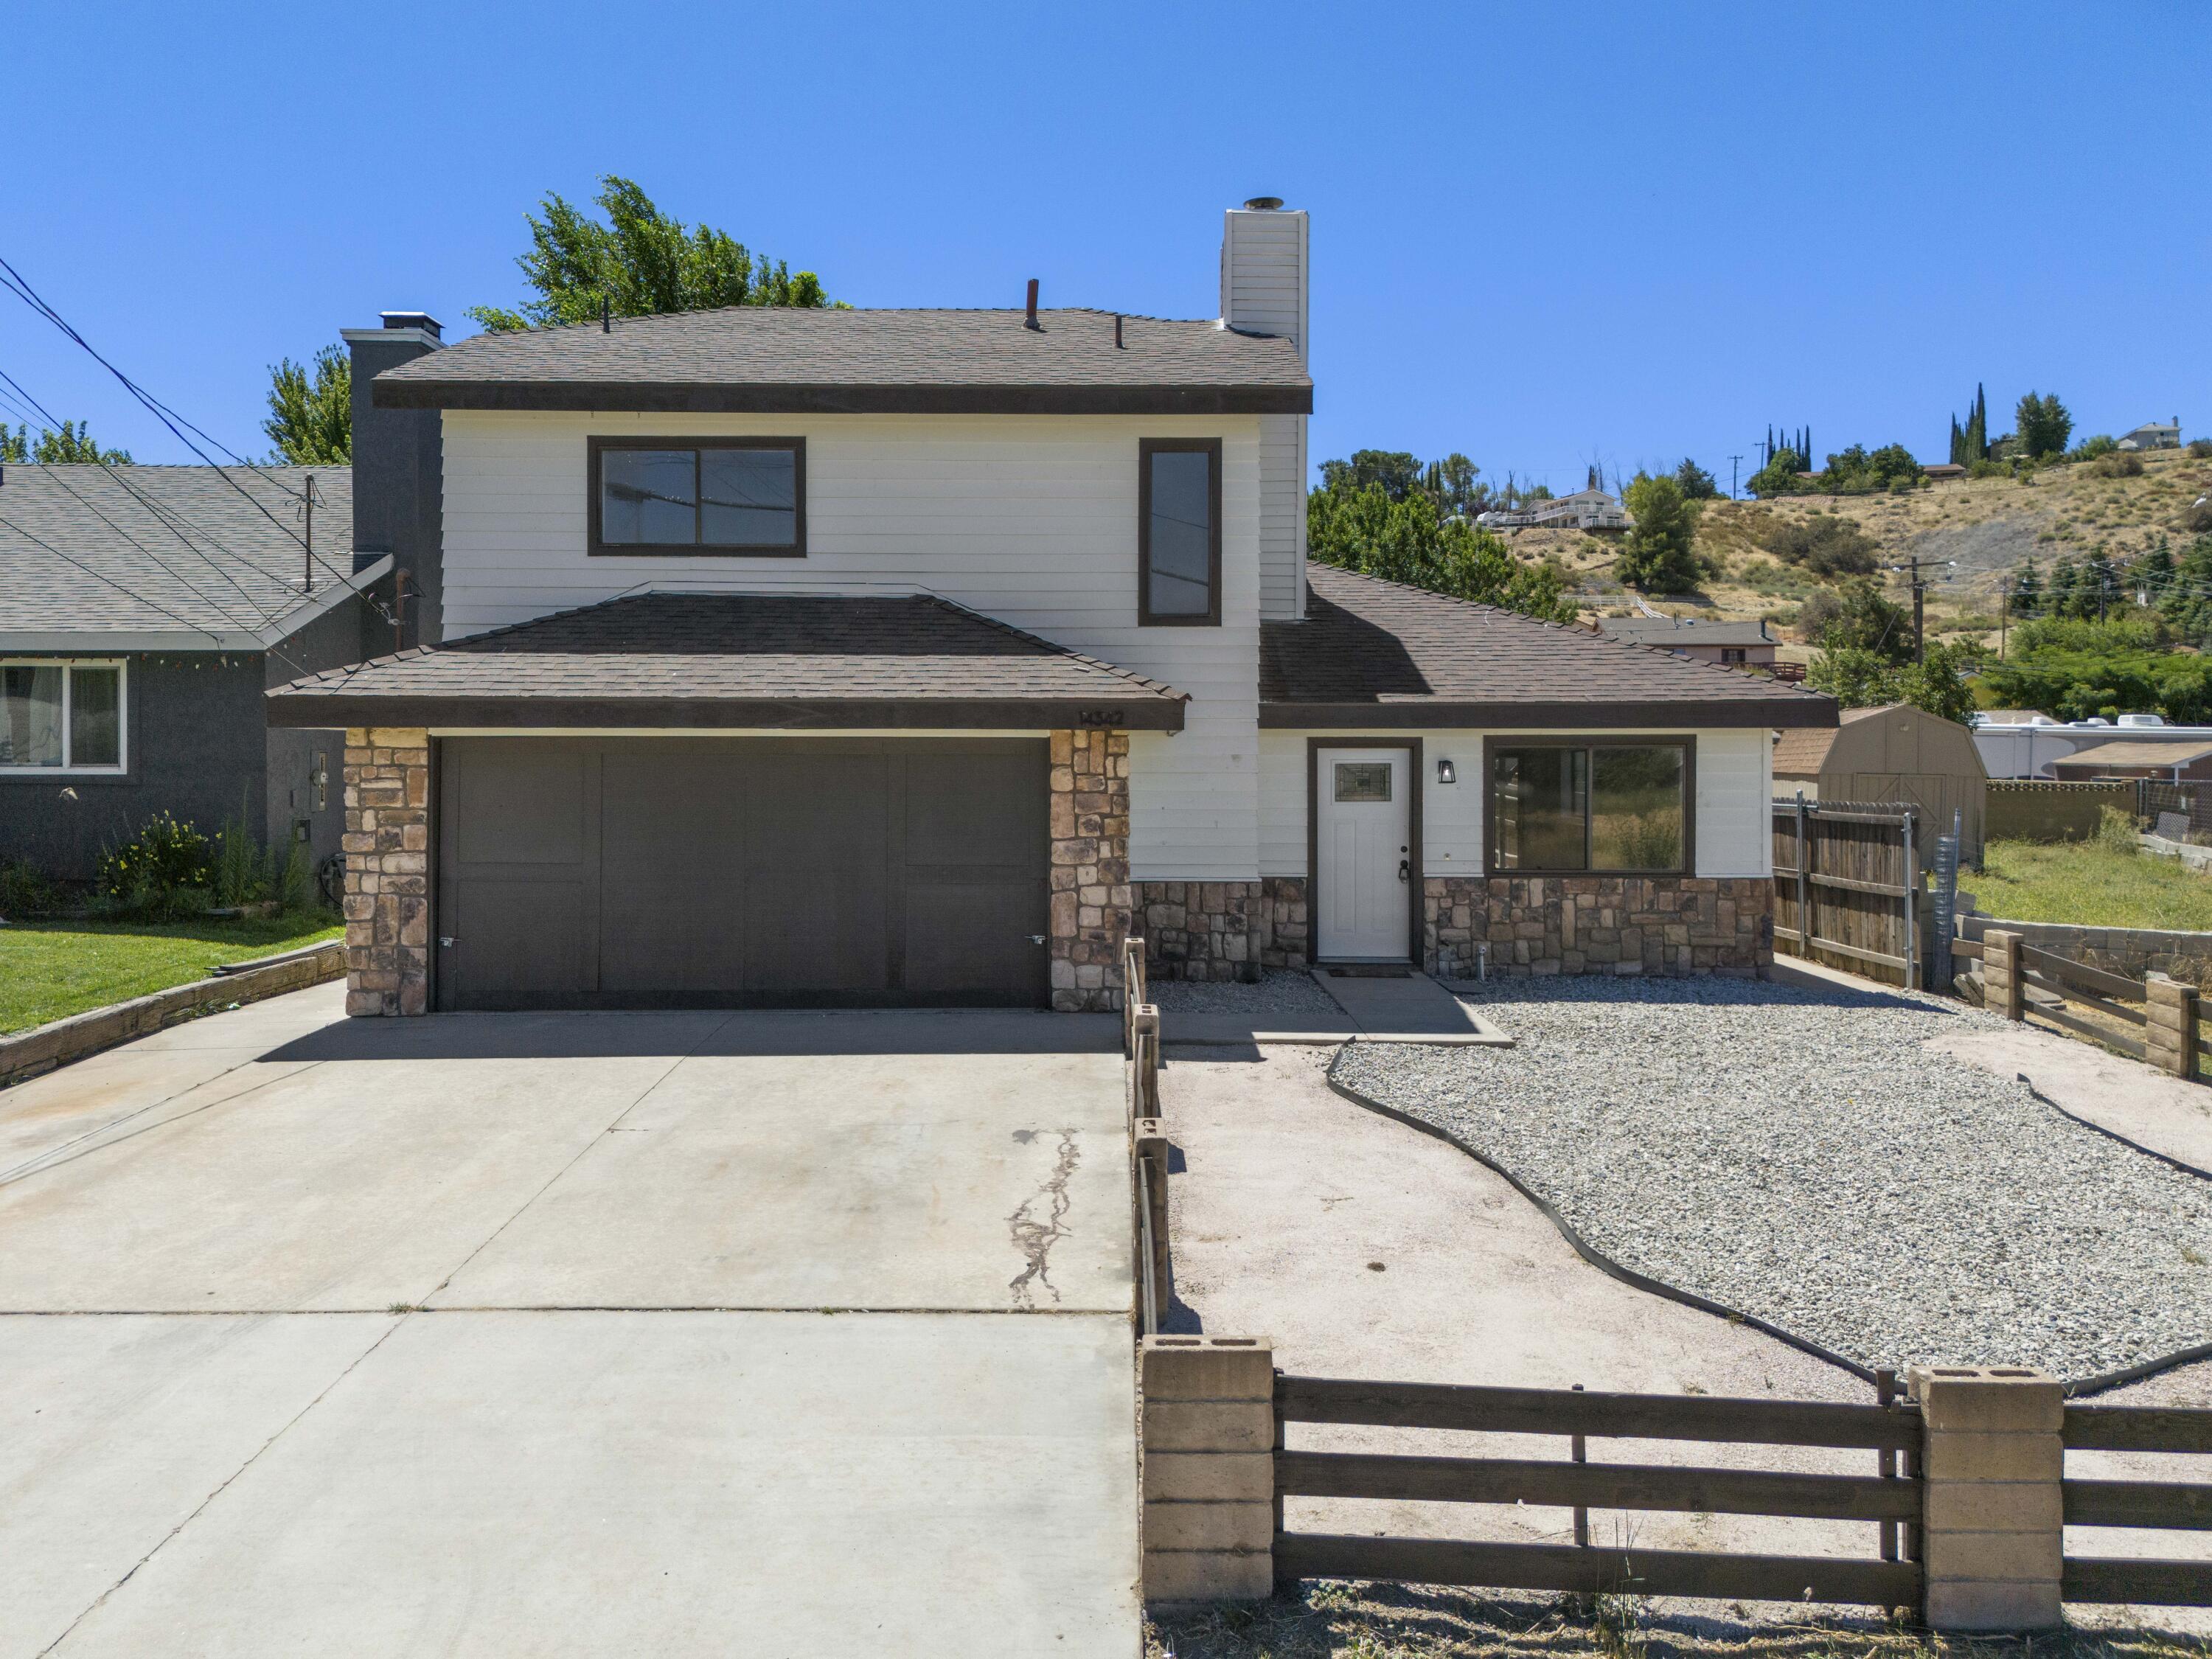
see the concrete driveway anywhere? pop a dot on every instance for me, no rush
(588, 1334)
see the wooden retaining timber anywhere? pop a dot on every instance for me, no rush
(2163, 1504)
(2163, 1010)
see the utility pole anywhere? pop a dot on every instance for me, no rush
(2004, 612)
(1732, 460)
(1919, 596)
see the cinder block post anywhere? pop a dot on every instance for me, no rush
(2003, 990)
(2170, 1028)
(1151, 1136)
(1209, 1469)
(1993, 1532)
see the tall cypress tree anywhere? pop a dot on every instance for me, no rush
(1977, 425)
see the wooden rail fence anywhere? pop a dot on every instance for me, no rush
(2166, 1506)
(1890, 1498)
(2153, 1019)
(1847, 886)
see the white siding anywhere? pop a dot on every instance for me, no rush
(1031, 521)
(1264, 289)
(1732, 780)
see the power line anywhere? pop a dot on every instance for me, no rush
(14, 283)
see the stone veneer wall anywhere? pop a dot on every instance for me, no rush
(387, 876)
(1202, 930)
(1285, 941)
(1599, 924)
(1091, 892)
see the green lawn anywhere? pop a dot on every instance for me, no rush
(51, 969)
(2085, 883)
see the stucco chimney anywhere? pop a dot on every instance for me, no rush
(398, 477)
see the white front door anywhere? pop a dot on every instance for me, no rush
(1362, 853)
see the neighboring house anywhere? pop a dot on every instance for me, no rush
(876, 656)
(143, 610)
(1731, 644)
(1893, 753)
(1941, 471)
(2153, 434)
(1586, 509)
(2167, 761)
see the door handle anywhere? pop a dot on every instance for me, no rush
(1405, 869)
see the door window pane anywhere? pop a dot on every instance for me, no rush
(1540, 808)
(649, 497)
(749, 497)
(1181, 534)
(30, 716)
(95, 717)
(1636, 808)
(1362, 780)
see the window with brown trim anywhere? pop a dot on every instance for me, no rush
(744, 497)
(1179, 532)
(1592, 806)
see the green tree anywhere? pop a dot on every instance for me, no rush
(2065, 581)
(1778, 476)
(1695, 482)
(1452, 482)
(311, 419)
(74, 446)
(2187, 601)
(1857, 616)
(1660, 552)
(2042, 425)
(639, 262)
(1409, 541)
(1860, 679)
(1397, 474)
(15, 444)
(2028, 592)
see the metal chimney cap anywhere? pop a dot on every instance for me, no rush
(422, 319)
(1263, 204)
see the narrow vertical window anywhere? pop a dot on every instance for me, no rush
(1179, 532)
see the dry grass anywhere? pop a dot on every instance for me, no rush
(1395, 1621)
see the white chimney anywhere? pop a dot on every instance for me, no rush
(1263, 291)
(1263, 269)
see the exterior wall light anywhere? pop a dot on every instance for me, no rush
(1446, 773)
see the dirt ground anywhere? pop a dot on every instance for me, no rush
(1363, 1248)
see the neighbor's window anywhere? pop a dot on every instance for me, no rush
(737, 495)
(61, 717)
(1617, 808)
(1179, 530)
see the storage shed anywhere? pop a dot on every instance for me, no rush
(1896, 753)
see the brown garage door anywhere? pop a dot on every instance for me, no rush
(648, 872)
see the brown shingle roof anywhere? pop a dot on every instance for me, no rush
(1375, 653)
(2171, 752)
(1803, 753)
(738, 660)
(771, 360)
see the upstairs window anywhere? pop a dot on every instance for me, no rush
(61, 716)
(1179, 532)
(732, 496)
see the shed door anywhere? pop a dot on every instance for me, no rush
(621, 872)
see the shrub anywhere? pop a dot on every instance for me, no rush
(236, 877)
(1824, 544)
(2090, 448)
(161, 871)
(2200, 449)
(2119, 463)
(26, 890)
(2115, 831)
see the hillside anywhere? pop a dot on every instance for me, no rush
(1967, 533)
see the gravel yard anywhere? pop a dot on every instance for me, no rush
(1795, 1154)
(1277, 994)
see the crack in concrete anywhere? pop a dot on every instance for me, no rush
(1035, 1239)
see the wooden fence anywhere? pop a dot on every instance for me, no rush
(2154, 1019)
(2166, 1506)
(1847, 887)
(1889, 1497)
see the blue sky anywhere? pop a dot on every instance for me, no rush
(1542, 234)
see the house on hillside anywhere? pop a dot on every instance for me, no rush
(1893, 753)
(2153, 434)
(811, 658)
(2183, 759)
(143, 612)
(1586, 509)
(1731, 644)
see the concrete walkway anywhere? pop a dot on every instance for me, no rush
(1408, 1007)
(486, 1334)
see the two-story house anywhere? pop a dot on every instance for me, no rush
(879, 657)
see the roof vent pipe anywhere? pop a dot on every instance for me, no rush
(1031, 321)
(1117, 331)
(1263, 204)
